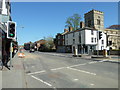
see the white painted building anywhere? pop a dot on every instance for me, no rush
(5, 7)
(84, 40)
(5, 11)
(102, 43)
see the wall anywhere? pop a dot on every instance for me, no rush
(4, 9)
(0, 6)
(96, 16)
(112, 52)
(114, 36)
(0, 44)
(61, 49)
(88, 37)
(98, 47)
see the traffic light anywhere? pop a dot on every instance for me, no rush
(11, 30)
(100, 34)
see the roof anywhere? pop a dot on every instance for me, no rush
(93, 11)
(40, 41)
(80, 29)
(114, 27)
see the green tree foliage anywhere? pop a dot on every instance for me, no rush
(49, 43)
(73, 21)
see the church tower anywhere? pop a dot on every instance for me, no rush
(94, 19)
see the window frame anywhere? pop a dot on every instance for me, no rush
(92, 40)
(102, 41)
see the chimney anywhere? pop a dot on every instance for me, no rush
(65, 30)
(82, 25)
(70, 29)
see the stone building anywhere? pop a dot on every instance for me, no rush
(101, 39)
(113, 38)
(94, 19)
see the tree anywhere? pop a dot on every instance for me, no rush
(49, 42)
(73, 21)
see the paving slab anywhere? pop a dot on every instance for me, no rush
(15, 77)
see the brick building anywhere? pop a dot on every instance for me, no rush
(59, 41)
(39, 43)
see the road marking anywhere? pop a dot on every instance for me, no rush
(82, 71)
(91, 84)
(62, 68)
(76, 79)
(57, 68)
(33, 66)
(92, 62)
(103, 60)
(78, 65)
(37, 72)
(41, 81)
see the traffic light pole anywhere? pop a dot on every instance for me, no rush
(98, 44)
(11, 34)
(11, 54)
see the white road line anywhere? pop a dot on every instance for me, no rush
(41, 81)
(82, 71)
(103, 60)
(78, 65)
(33, 66)
(75, 79)
(91, 84)
(62, 68)
(57, 68)
(37, 72)
(92, 62)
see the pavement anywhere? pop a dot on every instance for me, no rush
(109, 58)
(15, 77)
(0, 80)
(17, 74)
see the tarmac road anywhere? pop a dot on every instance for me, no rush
(44, 70)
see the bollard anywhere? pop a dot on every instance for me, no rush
(76, 52)
(105, 52)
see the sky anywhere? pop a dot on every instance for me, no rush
(42, 19)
